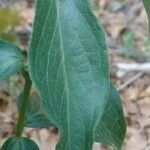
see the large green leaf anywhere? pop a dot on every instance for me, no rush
(11, 60)
(35, 116)
(112, 127)
(147, 7)
(19, 143)
(68, 63)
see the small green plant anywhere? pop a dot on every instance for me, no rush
(68, 64)
(129, 51)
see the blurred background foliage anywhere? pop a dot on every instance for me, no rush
(9, 19)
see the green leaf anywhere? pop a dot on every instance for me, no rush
(147, 8)
(11, 60)
(19, 143)
(112, 127)
(35, 116)
(68, 63)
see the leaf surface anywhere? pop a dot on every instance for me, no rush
(68, 63)
(11, 60)
(112, 127)
(147, 8)
(19, 143)
(35, 116)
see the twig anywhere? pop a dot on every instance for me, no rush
(130, 81)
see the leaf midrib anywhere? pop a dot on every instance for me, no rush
(65, 73)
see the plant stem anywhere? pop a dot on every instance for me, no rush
(24, 104)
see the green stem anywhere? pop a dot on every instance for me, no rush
(24, 104)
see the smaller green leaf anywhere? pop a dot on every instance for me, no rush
(19, 143)
(147, 8)
(35, 116)
(112, 127)
(11, 60)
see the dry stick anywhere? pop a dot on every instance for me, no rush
(145, 67)
(130, 81)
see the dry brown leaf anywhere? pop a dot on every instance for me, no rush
(114, 23)
(134, 140)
